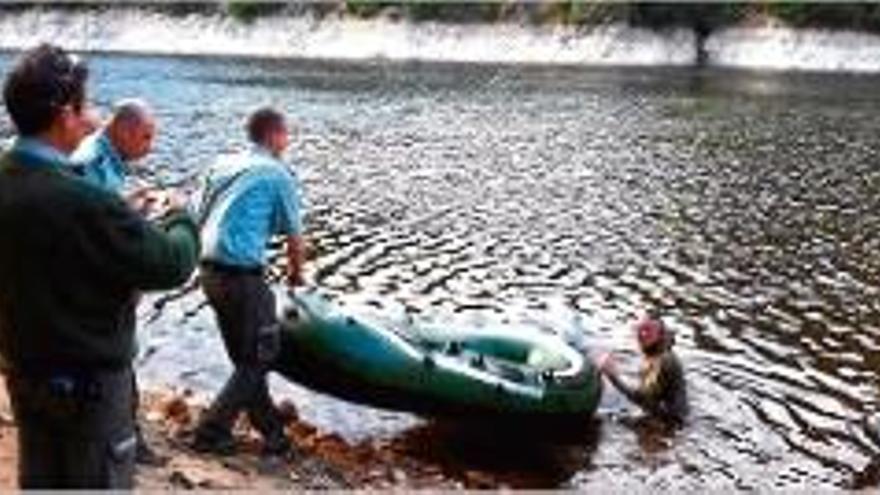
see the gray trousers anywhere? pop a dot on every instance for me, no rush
(74, 430)
(245, 310)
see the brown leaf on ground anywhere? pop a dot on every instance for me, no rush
(177, 411)
(288, 411)
(195, 473)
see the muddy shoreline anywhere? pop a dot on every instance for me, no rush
(320, 461)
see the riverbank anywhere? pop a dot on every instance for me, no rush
(321, 461)
(767, 45)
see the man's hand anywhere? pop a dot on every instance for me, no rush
(155, 204)
(607, 364)
(138, 198)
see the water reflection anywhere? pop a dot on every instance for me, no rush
(485, 455)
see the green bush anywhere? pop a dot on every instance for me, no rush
(703, 17)
(181, 8)
(858, 16)
(366, 8)
(457, 12)
(248, 10)
(595, 12)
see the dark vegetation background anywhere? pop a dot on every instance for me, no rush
(703, 17)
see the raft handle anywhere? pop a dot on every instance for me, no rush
(429, 362)
(453, 348)
(478, 361)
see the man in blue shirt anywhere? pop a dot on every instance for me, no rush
(246, 199)
(104, 158)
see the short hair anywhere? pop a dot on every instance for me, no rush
(44, 80)
(131, 111)
(261, 122)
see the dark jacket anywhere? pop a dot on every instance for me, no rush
(72, 259)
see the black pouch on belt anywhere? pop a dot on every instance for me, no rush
(60, 393)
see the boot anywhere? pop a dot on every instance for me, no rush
(209, 439)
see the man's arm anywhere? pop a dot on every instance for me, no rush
(288, 222)
(141, 254)
(631, 393)
(646, 394)
(295, 260)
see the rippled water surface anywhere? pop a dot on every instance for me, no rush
(743, 206)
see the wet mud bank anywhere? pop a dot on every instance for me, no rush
(438, 455)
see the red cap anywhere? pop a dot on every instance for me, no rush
(650, 332)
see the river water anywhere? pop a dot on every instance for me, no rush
(742, 206)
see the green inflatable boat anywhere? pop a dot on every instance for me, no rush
(432, 370)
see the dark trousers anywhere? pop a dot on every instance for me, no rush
(75, 430)
(245, 310)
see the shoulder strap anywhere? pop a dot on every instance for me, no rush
(210, 200)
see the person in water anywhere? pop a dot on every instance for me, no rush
(661, 391)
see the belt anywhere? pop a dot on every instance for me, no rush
(228, 269)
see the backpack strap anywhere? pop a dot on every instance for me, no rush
(210, 200)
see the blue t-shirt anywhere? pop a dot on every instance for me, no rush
(249, 197)
(98, 162)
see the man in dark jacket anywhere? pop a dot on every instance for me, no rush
(72, 258)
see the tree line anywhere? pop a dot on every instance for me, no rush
(703, 17)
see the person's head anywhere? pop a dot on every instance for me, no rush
(45, 96)
(266, 127)
(652, 335)
(131, 129)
